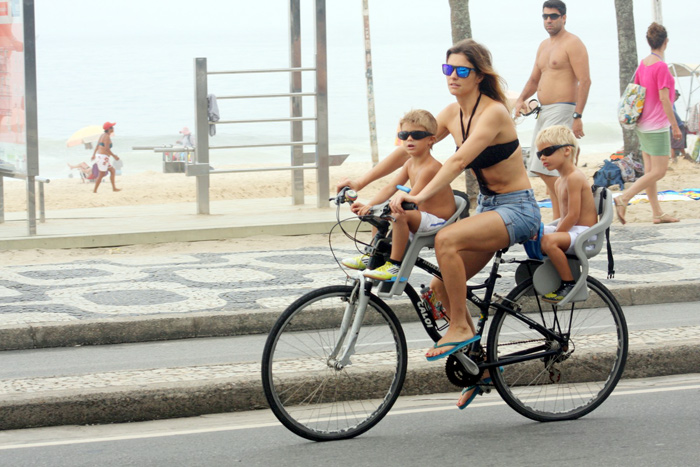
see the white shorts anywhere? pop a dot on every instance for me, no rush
(573, 233)
(550, 115)
(428, 223)
(103, 164)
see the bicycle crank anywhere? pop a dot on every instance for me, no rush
(457, 372)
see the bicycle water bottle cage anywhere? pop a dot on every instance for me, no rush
(420, 240)
(587, 245)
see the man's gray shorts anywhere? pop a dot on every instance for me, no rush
(550, 115)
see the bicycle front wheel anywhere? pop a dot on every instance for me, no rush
(313, 394)
(581, 375)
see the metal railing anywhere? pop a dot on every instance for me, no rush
(201, 169)
(31, 198)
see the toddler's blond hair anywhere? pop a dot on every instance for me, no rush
(554, 135)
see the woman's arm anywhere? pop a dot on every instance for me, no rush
(482, 135)
(387, 192)
(396, 159)
(393, 161)
(665, 99)
(108, 143)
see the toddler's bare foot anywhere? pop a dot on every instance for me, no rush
(117, 189)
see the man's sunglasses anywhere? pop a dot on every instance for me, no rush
(462, 71)
(416, 135)
(552, 16)
(551, 150)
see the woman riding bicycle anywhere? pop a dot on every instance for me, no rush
(507, 212)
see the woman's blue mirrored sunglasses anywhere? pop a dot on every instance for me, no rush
(462, 71)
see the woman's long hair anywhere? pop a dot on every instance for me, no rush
(492, 84)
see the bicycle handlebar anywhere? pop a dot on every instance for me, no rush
(345, 195)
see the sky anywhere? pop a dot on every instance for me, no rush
(408, 38)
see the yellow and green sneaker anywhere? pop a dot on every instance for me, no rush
(559, 294)
(358, 262)
(387, 272)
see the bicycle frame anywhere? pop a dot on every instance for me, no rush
(486, 303)
(355, 312)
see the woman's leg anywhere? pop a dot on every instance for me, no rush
(462, 250)
(112, 179)
(654, 170)
(98, 181)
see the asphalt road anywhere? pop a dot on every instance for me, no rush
(652, 421)
(212, 351)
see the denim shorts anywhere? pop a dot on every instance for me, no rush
(519, 211)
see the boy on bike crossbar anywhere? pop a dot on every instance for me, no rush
(417, 133)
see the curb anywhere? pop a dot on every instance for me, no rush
(234, 323)
(174, 400)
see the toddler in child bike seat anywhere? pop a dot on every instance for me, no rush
(557, 147)
(417, 133)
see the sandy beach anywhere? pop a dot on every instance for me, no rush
(159, 188)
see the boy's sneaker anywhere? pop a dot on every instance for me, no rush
(358, 262)
(387, 272)
(559, 294)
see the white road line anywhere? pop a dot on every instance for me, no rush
(621, 392)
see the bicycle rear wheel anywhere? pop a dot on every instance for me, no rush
(581, 375)
(306, 389)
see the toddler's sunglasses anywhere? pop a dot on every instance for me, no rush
(551, 150)
(462, 71)
(416, 135)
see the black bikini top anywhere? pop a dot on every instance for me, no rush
(490, 156)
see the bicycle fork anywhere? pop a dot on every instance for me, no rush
(357, 306)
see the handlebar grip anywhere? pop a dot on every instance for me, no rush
(345, 195)
(409, 206)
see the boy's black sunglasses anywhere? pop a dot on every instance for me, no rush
(551, 150)
(552, 16)
(416, 135)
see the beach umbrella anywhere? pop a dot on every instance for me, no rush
(87, 136)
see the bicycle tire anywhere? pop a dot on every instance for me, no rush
(308, 394)
(579, 379)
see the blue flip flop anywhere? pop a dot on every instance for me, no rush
(487, 380)
(457, 347)
(478, 391)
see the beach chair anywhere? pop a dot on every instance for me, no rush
(87, 178)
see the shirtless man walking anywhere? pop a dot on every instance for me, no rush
(561, 78)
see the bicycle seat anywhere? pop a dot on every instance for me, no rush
(587, 245)
(420, 240)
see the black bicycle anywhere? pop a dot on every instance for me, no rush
(335, 361)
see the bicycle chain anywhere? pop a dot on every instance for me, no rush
(460, 377)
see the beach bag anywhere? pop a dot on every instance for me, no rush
(693, 123)
(695, 153)
(608, 175)
(629, 109)
(638, 166)
(626, 167)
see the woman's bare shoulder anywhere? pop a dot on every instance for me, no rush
(449, 112)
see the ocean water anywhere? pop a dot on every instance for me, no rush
(131, 62)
